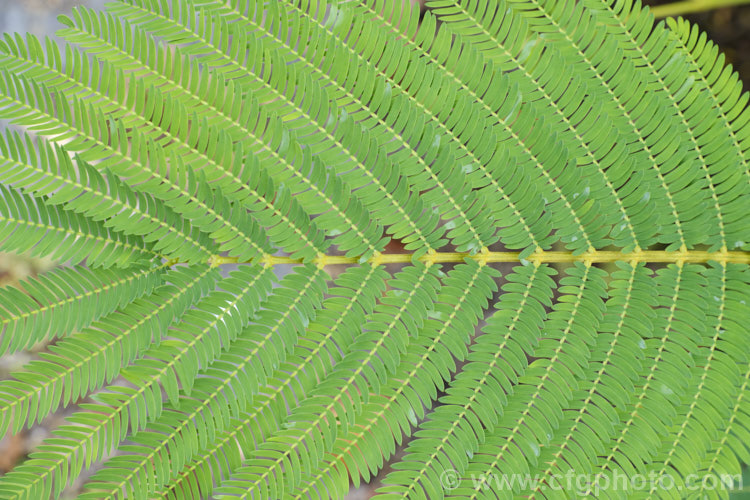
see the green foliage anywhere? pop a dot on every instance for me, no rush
(569, 183)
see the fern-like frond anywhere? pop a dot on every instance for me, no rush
(169, 365)
(424, 370)
(76, 186)
(461, 426)
(723, 459)
(286, 223)
(30, 224)
(545, 162)
(677, 330)
(445, 51)
(65, 300)
(324, 342)
(616, 351)
(671, 78)
(310, 103)
(273, 142)
(221, 393)
(82, 361)
(144, 168)
(713, 380)
(338, 399)
(224, 104)
(627, 114)
(722, 94)
(485, 162)
(458, 203)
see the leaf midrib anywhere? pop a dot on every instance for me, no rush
(486, 256)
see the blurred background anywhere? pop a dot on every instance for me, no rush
(728, 26)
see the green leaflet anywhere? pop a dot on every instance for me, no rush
(81, 189)
(169, 365)
(325, 339)
(615, 346)
(413, 386)
(493, 239)
(376, 168)
(675, 323)
(616, 350)
(341, 394)
(58, 303)
(221, 394)
(29, 225)
(718, 371)
(83, 361)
